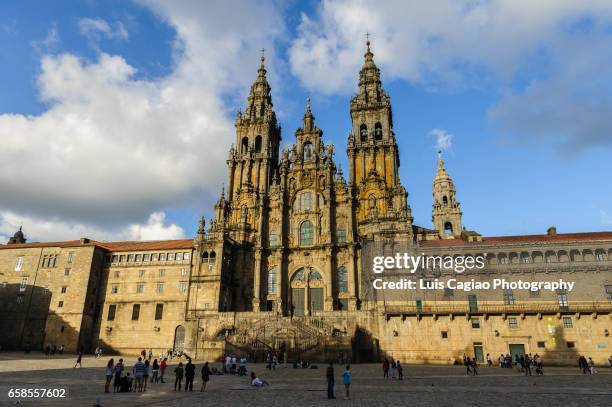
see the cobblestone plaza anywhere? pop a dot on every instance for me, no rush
(422, 386)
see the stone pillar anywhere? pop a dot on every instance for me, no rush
(329, 283)
(257, 281)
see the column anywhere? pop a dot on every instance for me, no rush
(257, 281)
(329, 284)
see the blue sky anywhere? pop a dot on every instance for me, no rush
(116, 116)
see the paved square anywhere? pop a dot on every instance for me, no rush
(422, 386)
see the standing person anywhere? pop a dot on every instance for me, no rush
(528, 365)
(591, 365)
(583, 364)
(178, 376)
(385, 367)
(155, 372)
(393, 369)
(468, 364)
(146, 374)
(189, 375)
(139, 372)
(61, 349)
(474, 365)
(329, 374)
(205, 376)
(118, 371)
(242, 366)
(400, 371)
(610, 361)
(489, 360)
(150, 353)
(110, 368)
(162, 369)
(347, 379)
(78, 361)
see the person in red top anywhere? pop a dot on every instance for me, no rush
(385, 369)
(162, 368)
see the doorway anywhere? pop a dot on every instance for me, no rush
(179, 339)
(516, 349)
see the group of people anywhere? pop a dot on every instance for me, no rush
(397, 371)
(471, 364)
(347, 379)
(52, 350)
(588, 365)
(143, 373)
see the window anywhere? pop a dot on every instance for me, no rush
(599, 256)
(111, 312)
(115, 258)
(162, 272)
(342, 280)
(306, 201)
(306, 233)
(19, 263)
(114, 288)
(46, 289)
(135, 312)
(444, 334)
(475, 323)
(186, 256)
(562, 298)
(154, 257)
(245, 145)
(66, 272)
(378, 133)
(162, 257)
(131, 258)
(567, 322)
(49, 260)
(24, 284)
(541, 344)
(508, 298)
(146, 257)
(140, 288)
(512, 323)
(170, 256)
(448, 228)
(139, 257)
(70, 257)
(273, 239)
(363, 132)
(178, 256)
(341, 235)
(60, 304)
(159, 311)
(183, 287)
(570, 344)
(609, 291)
(159, 288)
(525, 258)
(183, 271)
(141, 273)
(258, 144)
(117, 273)
(271, 281)
(503, 260)
(64, 289)
(122, 258)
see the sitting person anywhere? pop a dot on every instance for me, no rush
(126, 383)
(257, 382)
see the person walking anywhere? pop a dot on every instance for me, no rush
(78, 361)
(468, 364)
(178, 376)
(146, 374)
(205, 376)
(155, 371)
(591, 365)
(110, 368)
(190, 369)
(118, 370)
(474, 365)
(329, 374)
(400, 371)
(385, 367)
(162, 369)
(489, 360)
(346, 380)
(393, 369)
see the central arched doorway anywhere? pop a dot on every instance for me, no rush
(307, 291)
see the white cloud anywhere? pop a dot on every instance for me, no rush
(444, 139)
(111, 149)
(49, 43)
(557, 46)
(53, 229)
(96, 28)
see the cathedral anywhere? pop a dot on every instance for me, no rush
(283, 264)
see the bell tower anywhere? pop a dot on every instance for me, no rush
(446, 215)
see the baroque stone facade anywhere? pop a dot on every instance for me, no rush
(281, 264)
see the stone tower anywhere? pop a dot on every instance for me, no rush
(446, 215)
(373, 152)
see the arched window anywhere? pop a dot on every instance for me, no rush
(314, 276)
(378, 133)
(342, 280)
(341, 235)
(448, 229)
(245, 145)
(258, 144)
(308, 151)
(271, 281)
(363, 133)
(444, 200)
(306, 201)
(273, 239)
(306, 237)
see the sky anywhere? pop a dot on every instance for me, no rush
(116, 117)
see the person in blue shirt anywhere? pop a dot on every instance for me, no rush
(346, 379)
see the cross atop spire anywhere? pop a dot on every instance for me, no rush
(263, 56)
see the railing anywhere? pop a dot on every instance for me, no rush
(544, 308)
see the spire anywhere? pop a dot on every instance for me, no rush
(260, 98)
(446, 213)
(18, 237)
(308, 117)
(202, 226)
(442, 174)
